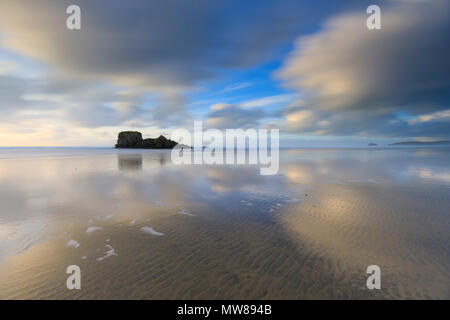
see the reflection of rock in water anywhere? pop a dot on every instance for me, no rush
(162, 160)
(130, 162)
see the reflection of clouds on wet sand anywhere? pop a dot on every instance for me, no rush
(439, 175)
(322, 220)
(355, 226)
(344, 167)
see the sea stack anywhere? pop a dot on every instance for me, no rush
(133, 139)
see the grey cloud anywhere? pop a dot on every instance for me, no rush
(60, 100)
(162, 47)
(358, 122)
(158, 47)
(152, 43)
(167, 48)
(357, 81)
(226, 116)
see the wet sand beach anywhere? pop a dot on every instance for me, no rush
(140, 227)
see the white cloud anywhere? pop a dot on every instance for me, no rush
(237, 86)
(281, 99)
(435, 116)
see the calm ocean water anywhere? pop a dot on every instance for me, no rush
(140, 227)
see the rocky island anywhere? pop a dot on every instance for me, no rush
(133, 139)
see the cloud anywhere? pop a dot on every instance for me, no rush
(138, 65)
(159, 50)
(300, 120)
(356, 81)
(431, 117)
(153, 44)
(248, 114)
(6, 67)
(281, 99)
(228, 116)
(236, 86)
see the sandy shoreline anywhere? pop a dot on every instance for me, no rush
(146, 230)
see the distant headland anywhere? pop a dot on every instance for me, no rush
(420, 143)
(133, 139)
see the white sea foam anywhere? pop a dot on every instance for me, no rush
(150, 230)
(185, 212)
(104, 218)
(158, 203)
(93, 229)
(293, 200)
(248, 203)
(39, 202)
(109, 253)
(73, 243)
(27, 244)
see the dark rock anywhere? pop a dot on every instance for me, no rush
(133, 139)
(128, 139)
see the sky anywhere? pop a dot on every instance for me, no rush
(312, 69)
